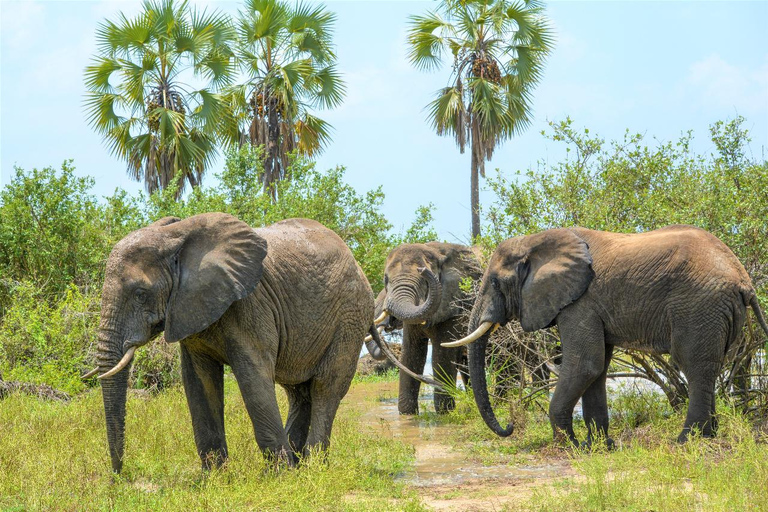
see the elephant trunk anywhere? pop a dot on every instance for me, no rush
(402, 302)
(480, 385)
(114, 391)
(373, 349)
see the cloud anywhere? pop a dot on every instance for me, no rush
(718, 83)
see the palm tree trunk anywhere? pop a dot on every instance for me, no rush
(272, 161)
(475, 187)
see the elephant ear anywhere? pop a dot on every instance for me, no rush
(558, 271)
(457, 262)
(218, 260)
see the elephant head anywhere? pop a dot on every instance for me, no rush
(177, 276)
(422, 281)
(530, 279)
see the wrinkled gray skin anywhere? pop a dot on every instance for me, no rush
(677, 290)
(410, 300)
(285, 303)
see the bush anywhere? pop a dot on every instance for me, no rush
(48, 344)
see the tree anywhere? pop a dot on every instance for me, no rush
(287, 56)
(498, 49)
(139, 96)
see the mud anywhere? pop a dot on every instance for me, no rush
(445, 476)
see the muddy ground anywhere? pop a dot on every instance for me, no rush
(447, 478)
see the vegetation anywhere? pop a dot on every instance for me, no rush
(140, 97)
(498, 49)
(286, 53)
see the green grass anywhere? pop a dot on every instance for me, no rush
(388, 376)
(53, 456)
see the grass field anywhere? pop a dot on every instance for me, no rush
(53, 456)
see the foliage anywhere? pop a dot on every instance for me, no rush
(287, 56)
(44, 343)
(54, 232)
(151, 90)
(498, 50)
(629, 186)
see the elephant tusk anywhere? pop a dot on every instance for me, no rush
(369, 337)
(122, 364)
(383, 316)
(90, 373)
(472, 337)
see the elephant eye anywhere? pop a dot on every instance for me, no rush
(386, 280)
(140, 295)
(495, 283)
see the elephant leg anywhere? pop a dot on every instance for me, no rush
(255, 376)
(330, 384)
(444, 363)
(700, 355)
(414, 357)
(299, 410)
(444, 370)
(203, 380)
(464, 367)
(594, 403)
(584, 348)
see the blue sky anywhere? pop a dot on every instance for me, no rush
(659, 68)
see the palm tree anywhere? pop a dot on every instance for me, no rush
(498, 49)
(286, 53)
(140, 94)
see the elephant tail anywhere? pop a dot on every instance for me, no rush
(393, 358)
(758, 312)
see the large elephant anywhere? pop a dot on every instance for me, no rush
(422, 292)
(285, 303)
(677, 290)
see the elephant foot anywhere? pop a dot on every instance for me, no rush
(563, 438)
(280, 459)
(444, 405)
(408, 407)
(214, 460)
(688, 431)
(609, 444)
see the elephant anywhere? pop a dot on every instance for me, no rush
(677, 290)
(285, 304)
(422, 293)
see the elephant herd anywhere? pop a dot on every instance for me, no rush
(289, 304)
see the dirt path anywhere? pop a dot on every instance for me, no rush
(445, 477)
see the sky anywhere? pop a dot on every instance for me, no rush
(657, 68)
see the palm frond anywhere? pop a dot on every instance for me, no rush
(326, 87)
(449, 114)
(312, 135)
(425, 40)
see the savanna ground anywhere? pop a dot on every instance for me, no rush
(53, 456)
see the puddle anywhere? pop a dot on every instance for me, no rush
(437, 463)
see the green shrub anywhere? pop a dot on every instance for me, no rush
(48, 344)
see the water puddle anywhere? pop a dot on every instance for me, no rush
(437, 463)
